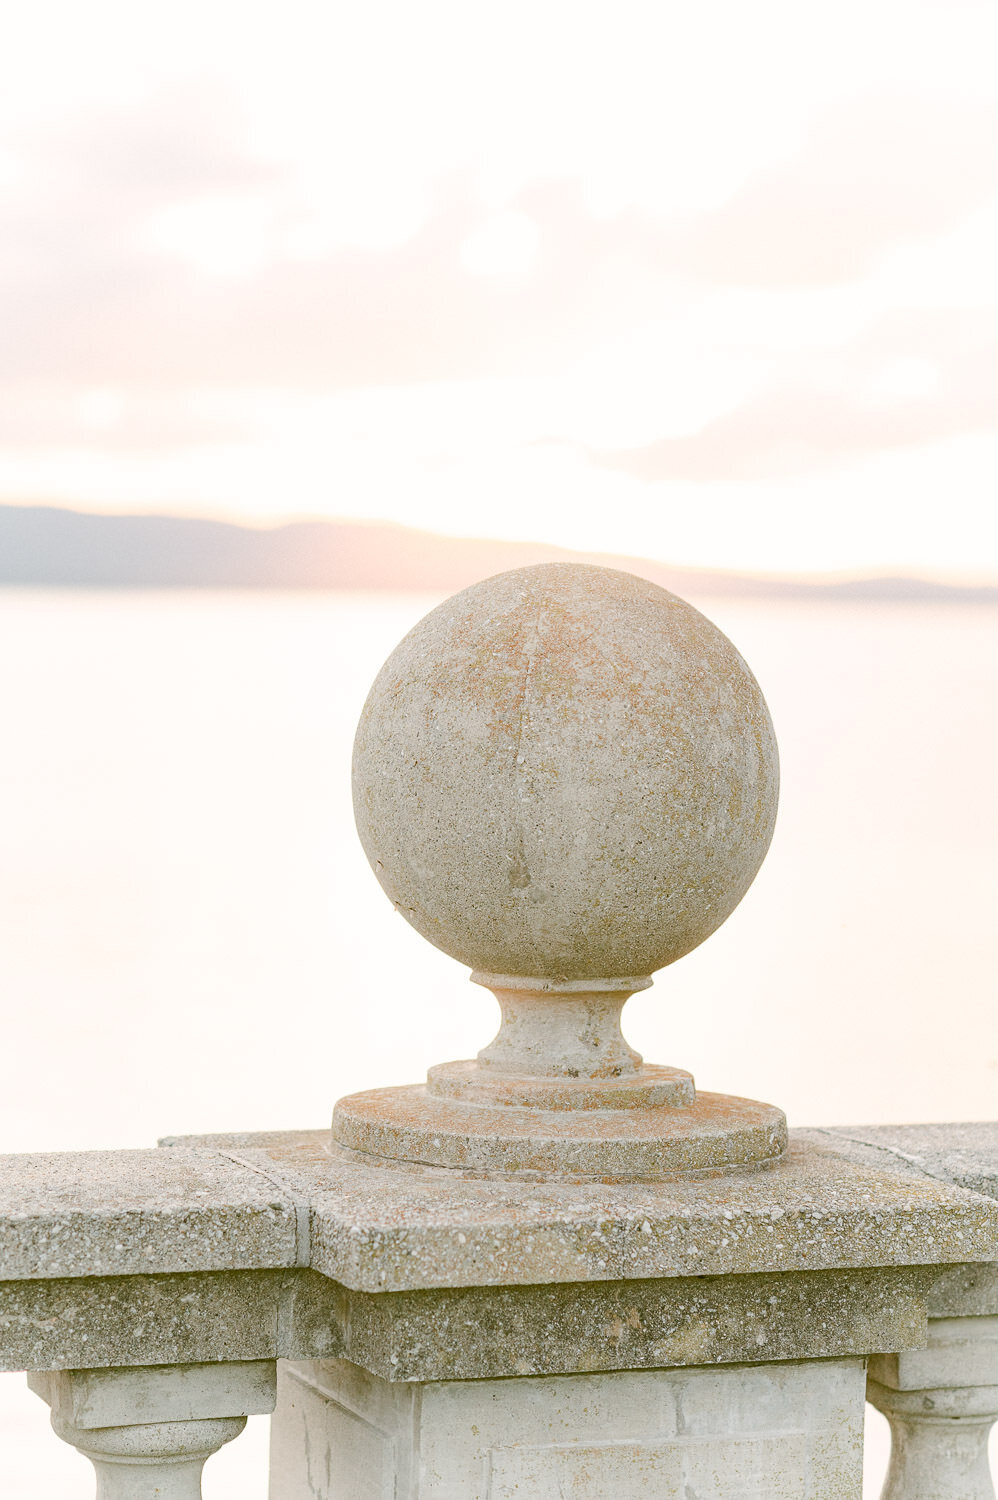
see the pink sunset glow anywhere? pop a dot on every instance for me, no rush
(709, 284)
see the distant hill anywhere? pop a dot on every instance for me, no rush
(44, 545)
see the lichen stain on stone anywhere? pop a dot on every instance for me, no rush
(519, 874)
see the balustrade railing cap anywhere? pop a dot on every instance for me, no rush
(566, 778)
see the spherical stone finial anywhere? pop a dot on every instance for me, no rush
(565, 777)
(565, 773)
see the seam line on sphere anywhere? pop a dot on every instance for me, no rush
(531, 649)
(301, 1206)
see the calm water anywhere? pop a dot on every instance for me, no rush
(190, 938)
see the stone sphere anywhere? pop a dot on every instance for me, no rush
(566, 773)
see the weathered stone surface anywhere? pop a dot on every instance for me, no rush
(558, 1029)
(159, 1393)
(636, 1273)
(95, 1322)
(149, 1431)
(161, 1459)
(939, 1441)
(791, 1432)
(965, 1292)
(353, 1443)
(958, 1352)
(715, 1131)
(964, 1154)
(115, 1213)
(567, 778)
(472, 1333)
(467, 1333)
(941, 1401)
(403, 1228)
(565, 772)
(649, 1086)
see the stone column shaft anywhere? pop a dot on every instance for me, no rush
(156, 1459)
(941, 1402)
(939, 1442)
(148, 1431)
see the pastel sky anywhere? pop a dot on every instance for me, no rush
(715, 282)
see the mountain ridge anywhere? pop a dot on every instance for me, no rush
(51, 546)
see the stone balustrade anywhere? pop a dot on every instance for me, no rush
(555, 1269)
(656, 1339)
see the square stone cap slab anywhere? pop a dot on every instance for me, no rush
(118, 1213)
(397, 1228)
(838, 1200)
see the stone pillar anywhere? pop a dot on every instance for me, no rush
(148, 1431)
(786, 1432)
(941, 1402)
(567, 1271)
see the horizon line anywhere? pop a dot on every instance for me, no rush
(885, 572)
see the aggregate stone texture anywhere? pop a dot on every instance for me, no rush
(400, 1227)
(285, 1200)
(473, 1333)
(111, 1259)
(189, 1318)
(958, 1352)
(964, 1154)
(115, 1213)
(965, 1292)
(462, 1333)
(410, 1124)
(565, 772)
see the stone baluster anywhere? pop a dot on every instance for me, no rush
(148, 1431)
(941, 1402)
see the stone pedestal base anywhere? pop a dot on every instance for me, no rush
(789, 1431)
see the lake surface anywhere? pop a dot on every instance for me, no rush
(191, 939)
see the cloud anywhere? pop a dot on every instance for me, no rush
(874, 173)
(150, 257)
(151, 249)
(913, 378)
(148, 251)
(41, 417)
